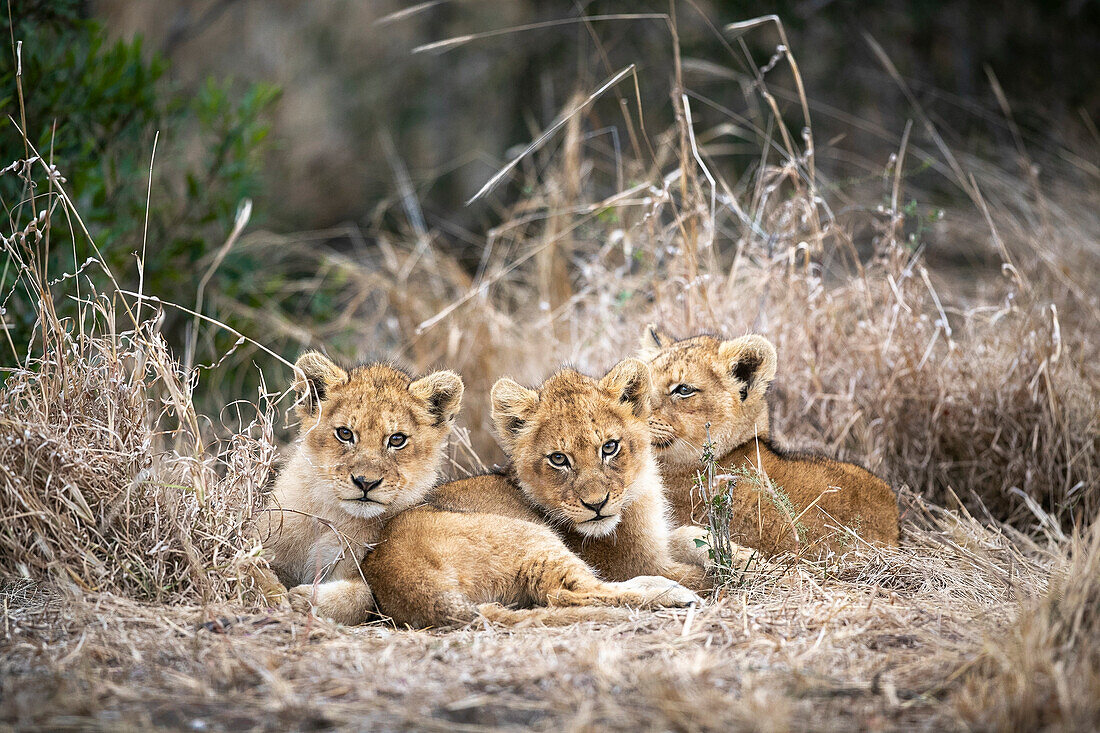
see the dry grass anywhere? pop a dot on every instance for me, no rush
(130, 602)
(874, 645)
(111, 481)
(92, 495)
(1043, 672)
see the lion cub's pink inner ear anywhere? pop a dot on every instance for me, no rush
(441, 392)
(314, 375)
(513, 405)
(750, 362)
(629, 381)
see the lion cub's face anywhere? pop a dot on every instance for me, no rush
(373, 437)
(704, 380)
(578, 445)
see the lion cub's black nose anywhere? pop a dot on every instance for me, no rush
(364, 485)
(597, 507)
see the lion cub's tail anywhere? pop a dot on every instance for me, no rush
(551, 615)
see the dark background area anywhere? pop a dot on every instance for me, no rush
(349, 77)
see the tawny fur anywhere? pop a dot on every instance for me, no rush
(320, 522)
(576, 416)
(440, 568)
(728, 381)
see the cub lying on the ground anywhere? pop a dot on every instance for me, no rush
(704, 380)
(433, 567)
(370, 445)
(581, 461)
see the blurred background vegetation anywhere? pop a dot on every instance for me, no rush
(349, 77)
(96, 106)
(330, 116)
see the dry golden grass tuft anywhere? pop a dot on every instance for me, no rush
(130, 597)
(1043, 671)
(110, 481)
(92, 494)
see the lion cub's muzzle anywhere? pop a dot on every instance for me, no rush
(604, 517)
(597, 507)
(598, 526)
(661, 434)
(366, 486)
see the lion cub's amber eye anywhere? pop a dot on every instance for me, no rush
(344, 435)
(558, 459)
(610, 448)
(684, 390)
(398, 440)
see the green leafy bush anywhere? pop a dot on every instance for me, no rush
(98, 109)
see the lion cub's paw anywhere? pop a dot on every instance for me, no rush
(347, 602)
(691, 544)
(656, 591)
(743, 557)
(301, 598)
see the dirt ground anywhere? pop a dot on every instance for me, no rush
(877, 642)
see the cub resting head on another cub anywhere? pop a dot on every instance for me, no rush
(371, 446)
(581, 461)
(705, 381)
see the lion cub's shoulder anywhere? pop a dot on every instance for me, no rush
(490, 493)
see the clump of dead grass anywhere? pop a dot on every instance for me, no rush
(1043, 671)
(109, 479)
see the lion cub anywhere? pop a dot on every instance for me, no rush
(370, 445)
(582, 461)
(439, 568)
(705, 381)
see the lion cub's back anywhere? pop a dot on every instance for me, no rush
(875, 502)
(840, 493)
(491, 493)
(849, 493)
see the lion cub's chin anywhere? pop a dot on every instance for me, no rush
(363, 509)
(601, 527)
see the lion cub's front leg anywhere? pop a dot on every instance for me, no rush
(690, 548)
(343, 597)
(348, 602)
(691, 544)
(339, 591)
(560, 578)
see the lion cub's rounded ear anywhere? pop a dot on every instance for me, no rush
(513, 405)
(750, 361)
(651, 343)
(629, 382)
(314, 375)
(442, 392)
